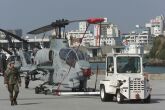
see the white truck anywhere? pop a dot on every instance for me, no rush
(124, 79)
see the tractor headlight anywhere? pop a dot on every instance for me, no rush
(142, 81)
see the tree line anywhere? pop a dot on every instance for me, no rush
(158, 49)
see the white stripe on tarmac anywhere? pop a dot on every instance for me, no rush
(78, 93)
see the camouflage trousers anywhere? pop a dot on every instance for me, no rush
(13, 91)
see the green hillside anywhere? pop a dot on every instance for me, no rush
(158, 49)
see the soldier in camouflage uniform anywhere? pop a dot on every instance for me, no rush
(12, 81)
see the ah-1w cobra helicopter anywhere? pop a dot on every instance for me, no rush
(64, 65)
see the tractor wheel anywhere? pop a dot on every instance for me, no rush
(119, 97)
(104, 96)
(147, 100)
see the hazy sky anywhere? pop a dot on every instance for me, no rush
(31, 14)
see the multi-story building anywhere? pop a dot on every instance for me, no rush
(141, 36)
(109, 34)
(82, 26)
(157, 25)
(144, 35)
(75, 37)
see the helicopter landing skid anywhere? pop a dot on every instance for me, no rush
(78, 93)
(42, 89)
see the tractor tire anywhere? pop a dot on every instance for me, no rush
(147, 100)
(104, 96)
(119, 97)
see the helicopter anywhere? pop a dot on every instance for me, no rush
(21, 57)
(63, 65)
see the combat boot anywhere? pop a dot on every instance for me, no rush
(11, 100)
(12, 103)
(15, 102)
(15, 98)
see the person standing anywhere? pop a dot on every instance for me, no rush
(12, 81)
(27, 80)
(130, 66)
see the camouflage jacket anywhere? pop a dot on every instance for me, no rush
(12, 76)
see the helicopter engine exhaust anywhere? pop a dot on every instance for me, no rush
(43, 56)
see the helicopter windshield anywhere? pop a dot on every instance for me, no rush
(80, 55)
(71, 56)
(63, 53)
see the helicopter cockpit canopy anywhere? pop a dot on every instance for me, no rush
(71, 55)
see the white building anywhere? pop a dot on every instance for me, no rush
(157, 25)
(75, 38)
(110, 41)
(140, 36)
(109, 34)
(144, 35)
(82, 26)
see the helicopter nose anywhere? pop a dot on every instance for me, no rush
(86, 72)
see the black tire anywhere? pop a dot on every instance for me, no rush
(81, 86)
(119, 97)
(104, 96)
(147, 100)
(37, 90)
(46, 92)
(73, 89)
(110, 97)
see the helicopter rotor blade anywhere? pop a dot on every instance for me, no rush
(53, 25)
(13, 35)
(90, 20)
(18, 38)
(63, 23)
(41, 30)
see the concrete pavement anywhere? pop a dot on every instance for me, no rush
(28, 100)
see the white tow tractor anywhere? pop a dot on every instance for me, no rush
(124, 79)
